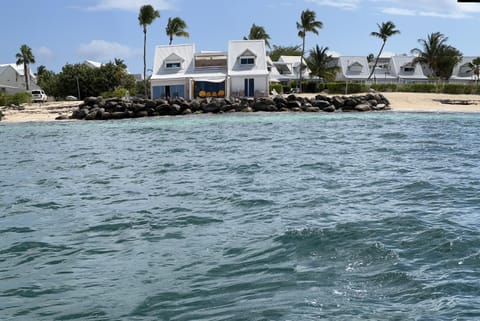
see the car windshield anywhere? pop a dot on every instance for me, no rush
(36, 92)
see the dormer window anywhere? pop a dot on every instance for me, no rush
(247, 60)
(356, 67)
(408, 68)
(173, 65)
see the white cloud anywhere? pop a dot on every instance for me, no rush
(101, 50)
(424, 8)
(430, 8)
(342, 4)
(131, 5)
(399, 11)
(43, 54)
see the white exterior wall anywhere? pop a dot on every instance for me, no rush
(12, 82)
(237, 85)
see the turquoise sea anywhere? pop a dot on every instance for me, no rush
(368, 216)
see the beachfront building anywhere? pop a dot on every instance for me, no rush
(463, 73)
(12, 79)
(394, 69)
(352, 68)
(405, 71)
(287, 69)
(180, 71)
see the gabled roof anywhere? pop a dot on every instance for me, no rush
(93, 64)
(183, 52)
(174, 57)
(398, 62)
(248, 53)
(293, 60)
(17, 68)
(346, 62)
(256, 48)
(459, 70)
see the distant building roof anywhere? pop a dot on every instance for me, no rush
(93, 64)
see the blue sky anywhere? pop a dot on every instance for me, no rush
(72, 31)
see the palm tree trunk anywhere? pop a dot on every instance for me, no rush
(301, 63)
(145, 60)
(171, 40)
(25, 70)
(376, 61)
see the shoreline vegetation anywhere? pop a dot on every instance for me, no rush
(394, 101)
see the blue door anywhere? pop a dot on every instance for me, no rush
(249, 87)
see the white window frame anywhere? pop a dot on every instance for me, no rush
(173, 65)
(247, 58)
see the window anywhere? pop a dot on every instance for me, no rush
(247, 60)
(173, 65)
(409, 69)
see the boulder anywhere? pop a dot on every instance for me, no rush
(363, 107)
(329, 109)
(312, 109)
(338, 102)
(294, 104)
(60, 117)
(321, 103)
(142, 113)
(212, 107)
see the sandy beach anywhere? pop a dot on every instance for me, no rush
(400, 102)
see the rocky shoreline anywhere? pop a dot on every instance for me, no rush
(97, 108)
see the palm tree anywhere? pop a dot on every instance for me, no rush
(475, 68)
(437, 55)
(25, 57)
(176, 27)
(146, 16)
(258, 33)
(320, 63)
(120, 63)
(307, 24)
(385, 31)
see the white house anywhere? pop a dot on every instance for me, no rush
(406, 71)
(247, 68)
(463, 73)
(287, 68)
(180, 71)
(12, 79)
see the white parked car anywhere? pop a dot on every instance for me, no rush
(39, 96)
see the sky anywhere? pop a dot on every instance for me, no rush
(72, 31)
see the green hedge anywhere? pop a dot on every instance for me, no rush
(16, 99)
(343, 87)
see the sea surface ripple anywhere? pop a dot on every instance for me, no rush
(242, 217)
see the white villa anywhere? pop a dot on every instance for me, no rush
(396, 69)
(286, 69)
(12, 79)
(180, 71)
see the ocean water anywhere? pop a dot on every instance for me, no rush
(369, 216)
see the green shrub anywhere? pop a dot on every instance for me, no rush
(343, 87)
(419, 88)
(3, 99)
(286, 89)
(21, 98)
(117, 93)
(16, 99)
(278, 88)
(309, 86)
(384, 87)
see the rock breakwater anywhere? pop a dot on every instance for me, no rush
(97, 108)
